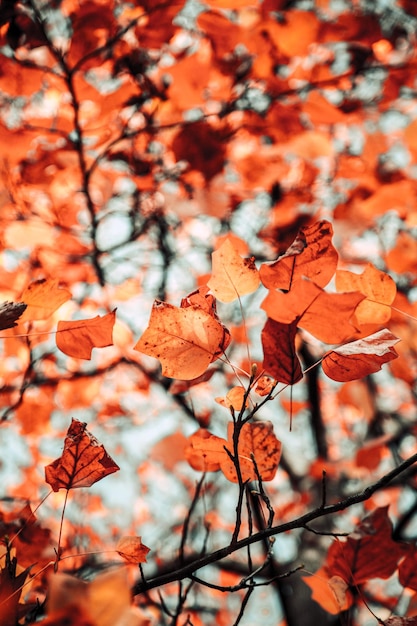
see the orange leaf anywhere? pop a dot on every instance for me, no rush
(378, 287)
(78, 338)
(83, 462)
(43, 297)
(200, 458)
(232, 276)
(329, 592)
(256, 441)
(132, 549)
(185, 340)
(280, 357)
(325, 315)
(360, 358)
(105, 601)
(311, 255)
(10, 312)
(234, 399)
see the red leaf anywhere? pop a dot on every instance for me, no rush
(360, 358)
(369, 553)
(280, 357)
(78, 338)
(407, 572)
(83, 462)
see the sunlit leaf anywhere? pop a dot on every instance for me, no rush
(83, 462)
(78, 338)
(232, 276)
(233, 399)
(185, 340)
(379, 289)
(43, 297)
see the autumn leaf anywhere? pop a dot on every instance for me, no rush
(331, 592)
(232, 276)
(311, 255)
(9, 313)
(198, 456)
(234, 399)
(84, 461)
(379, 289)
(369, 553)
(327, 316)
(360, 358)
(105, 601)
(78, 338)
(132, 550)
(257, 445)
(407, 571)
(12, 579)
(185, 340)
(43, 297)
(280, 356)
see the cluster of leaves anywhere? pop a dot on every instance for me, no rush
(136, 135)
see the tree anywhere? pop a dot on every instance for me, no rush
(208, 255)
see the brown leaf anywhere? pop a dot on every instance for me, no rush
(78, 338)
(360, 358)
(83, 462)
(9, 313)
(132, 549)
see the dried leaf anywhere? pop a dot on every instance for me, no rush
(198, 456)
(9, 313)
(360, 358)
(132, 549)
(185, 340)
(83, 462)
(78, 338)
(232, 276)
(311, 255)
(43, 297)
